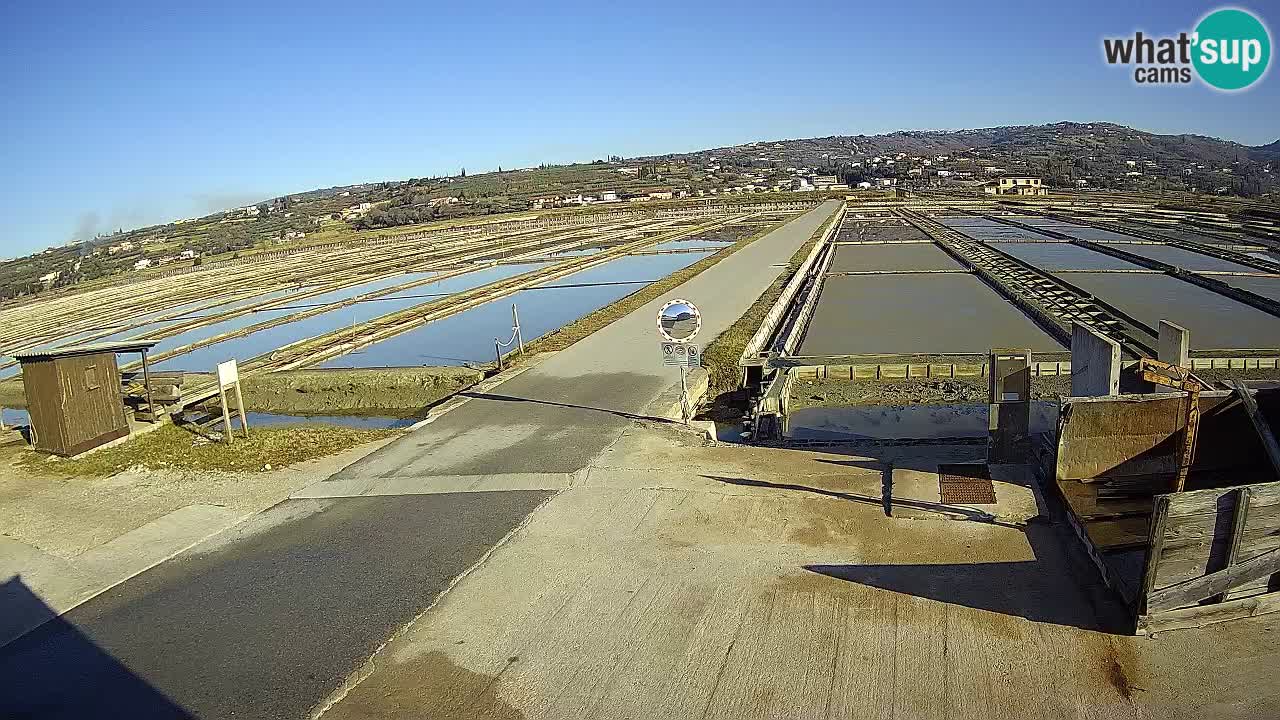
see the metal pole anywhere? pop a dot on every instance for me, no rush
(515, 318)
(497, 351)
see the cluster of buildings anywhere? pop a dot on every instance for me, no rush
(354, 211)
(605, 196)
(145, 263)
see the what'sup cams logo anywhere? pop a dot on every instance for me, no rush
(1229, 50)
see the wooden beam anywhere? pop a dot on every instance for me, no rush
(1202, 615)
(1238, 519)
(1260, 424)
(1195, 590)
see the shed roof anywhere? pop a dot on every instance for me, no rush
(70, 350)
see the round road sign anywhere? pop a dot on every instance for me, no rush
(679, 321)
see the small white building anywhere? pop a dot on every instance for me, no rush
(142, 264)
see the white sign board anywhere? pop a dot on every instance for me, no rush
(228, 374)
(681, 354)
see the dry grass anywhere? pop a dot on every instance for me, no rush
(173, 448)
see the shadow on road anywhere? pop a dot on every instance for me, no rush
(552, 403)
(1057, 587)
(57, 671)
(952, 512)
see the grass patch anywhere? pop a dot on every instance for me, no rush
(722, 355)
(173, 448)
(590, 323)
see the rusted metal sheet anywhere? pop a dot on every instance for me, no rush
(966, 484)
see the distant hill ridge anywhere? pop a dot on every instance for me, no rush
(1067, 138)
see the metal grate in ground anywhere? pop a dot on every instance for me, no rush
(966, 484)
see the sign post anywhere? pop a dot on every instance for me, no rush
(229, 379)
(678, 323)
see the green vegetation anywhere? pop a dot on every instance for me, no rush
(174, 448)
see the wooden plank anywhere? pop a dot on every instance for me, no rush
(1184, 562)
(1202, 615)
(1260, 424)
(1087, 501)
(1238, 517)
(1195, 502)
(1193, 591)
(1155, 547)
(1118, 534)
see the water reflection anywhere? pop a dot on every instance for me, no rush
(468, 336)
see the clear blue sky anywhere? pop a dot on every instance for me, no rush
(121, 116)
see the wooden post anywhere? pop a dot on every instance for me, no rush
(244, 421)
(146, 381)
(1155, 546)
(1260, 425)
(226, 415)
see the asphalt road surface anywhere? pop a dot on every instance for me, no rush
(268, 619)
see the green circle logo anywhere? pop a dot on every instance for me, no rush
(1232, 49)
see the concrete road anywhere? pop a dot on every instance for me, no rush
(558, 416)
(691, 582)
(270, 618)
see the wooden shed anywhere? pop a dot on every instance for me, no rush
(74, 396)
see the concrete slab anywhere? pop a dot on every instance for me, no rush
(926, 313)
(1215, 321)
(892, 257)
(893, 422)
(769, 583)
(1095, 363)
